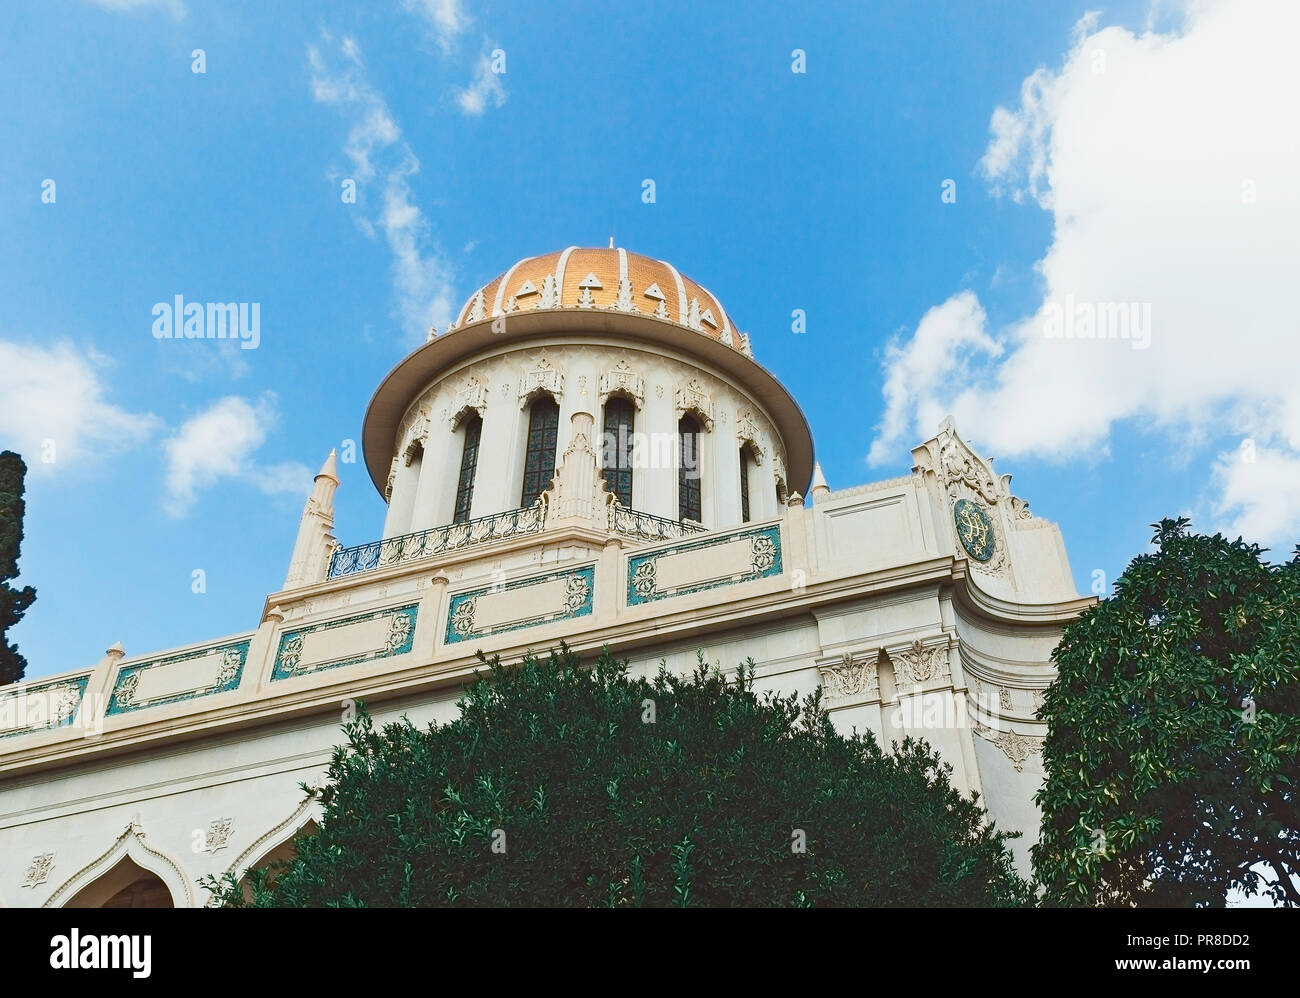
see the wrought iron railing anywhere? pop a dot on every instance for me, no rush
(437, 540)
(647, 526)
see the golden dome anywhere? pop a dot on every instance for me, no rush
(611, 280)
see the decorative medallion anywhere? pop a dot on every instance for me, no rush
(974, 530)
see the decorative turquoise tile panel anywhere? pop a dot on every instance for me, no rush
(394, 633)
(762, 558)
(173, 678)
(41, 707)
(572, 597)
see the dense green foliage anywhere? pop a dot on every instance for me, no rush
(604, 790)
(1174, 732)
(13, 602)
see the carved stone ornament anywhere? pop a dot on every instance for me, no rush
(462, 621)
(624, 380)
(472, 397)
(959, 466)
(1015, 746)
(218, 834)
(850, 676)
(624, 302)
(693, 399)
(478, 310)
(38, 870)
(542, 378)
(399, 628)
(550, 293)
(918, 664)
(748, 434)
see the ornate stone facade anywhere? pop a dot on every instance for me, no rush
(923, 606)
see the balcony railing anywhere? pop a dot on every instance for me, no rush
(390, 551)
(437, 540)
(647, 526)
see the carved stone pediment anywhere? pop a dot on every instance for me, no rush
(625, 381)
(544, 377)
(694, 399)
(747, 433)
(472, 397)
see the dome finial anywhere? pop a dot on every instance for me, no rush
(611, 242)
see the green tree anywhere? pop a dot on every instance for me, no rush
(1173, 747)
(561, 785)
(13, 602)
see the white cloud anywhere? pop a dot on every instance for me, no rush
(53, 404)
(1147, 149)
(446, 19)
(918, 369)
(1257, 489)
(376, 150)
(220, 442)
(485, 88)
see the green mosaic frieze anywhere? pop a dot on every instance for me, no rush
(762, 560)
(227, 667)
(573, 599)
(41, 707)
(395, 637)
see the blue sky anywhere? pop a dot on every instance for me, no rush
(1160, 178)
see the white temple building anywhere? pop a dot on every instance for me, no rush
(590, 454)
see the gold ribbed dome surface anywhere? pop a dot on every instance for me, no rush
(606, 279)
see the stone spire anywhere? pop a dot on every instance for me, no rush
(315, 543)
(819, 487)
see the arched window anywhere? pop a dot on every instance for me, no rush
(688, 469)
(468, 465)
(616, 448)
(539, 460)
(745, 462)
